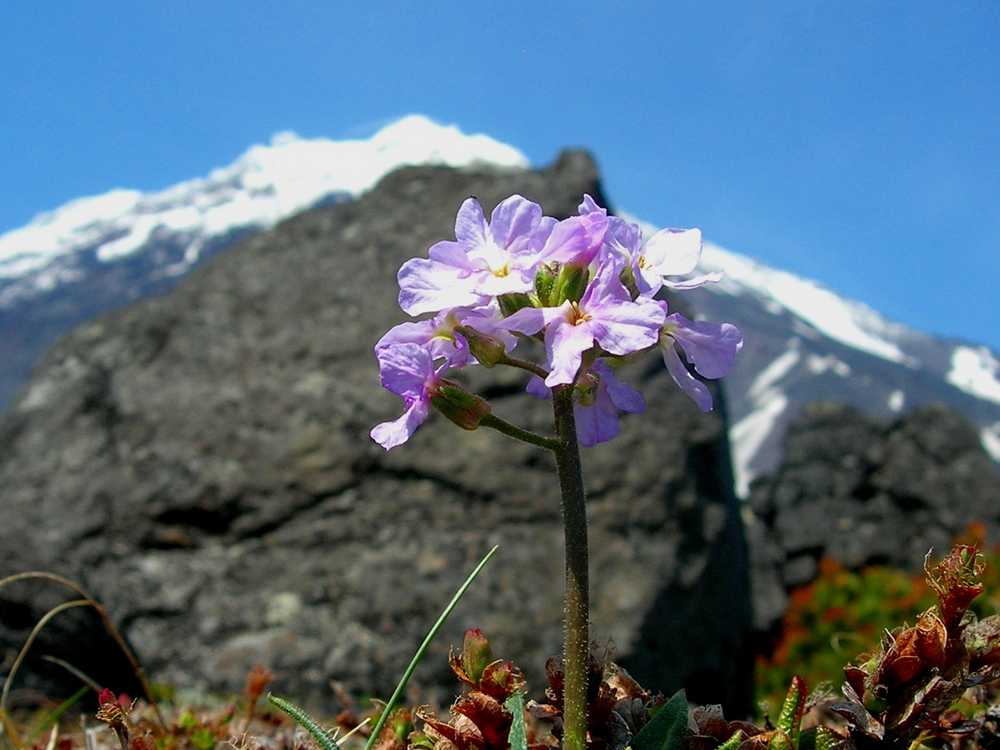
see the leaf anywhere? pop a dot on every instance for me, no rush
(518, 737)
(733, 742)
(668, 727)
(322, 736)
(791, 710)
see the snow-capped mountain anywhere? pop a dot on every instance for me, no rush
(100, 252)
(803, 342)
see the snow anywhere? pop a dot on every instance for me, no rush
(816, 308)
(264, 185)
(748, 435)
(767, 404)
(849, 322)
(896, 400)
(768, 377)
(818, 365)
(975, 371)
(990, 438)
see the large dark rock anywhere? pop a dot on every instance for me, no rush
(201, 462)
(866, 492)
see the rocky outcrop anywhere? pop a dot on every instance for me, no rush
(200, 461)
(866, 492)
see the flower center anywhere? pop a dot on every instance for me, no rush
(576, 315)
(504, 270)
(642, 261)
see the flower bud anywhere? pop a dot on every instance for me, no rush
(476, 653)
(487, 349)
(570, 284)
(586, 389)
(511, 303)
(545, 281)
(627, 277)
(457, 404)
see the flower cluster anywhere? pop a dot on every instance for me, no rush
(585, 286)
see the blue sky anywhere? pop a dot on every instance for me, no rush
(852, 142)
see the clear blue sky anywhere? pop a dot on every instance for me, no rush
(854, 142)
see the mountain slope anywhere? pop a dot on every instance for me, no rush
(803, 342)
(98, 253)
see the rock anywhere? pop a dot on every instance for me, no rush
(864, 492)
(201, 462)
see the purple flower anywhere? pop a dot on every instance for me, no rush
(408, 371)
(605, 314)
(485, 260)
(438, 334)
(669, 252)
(710, 347)
(599, 398)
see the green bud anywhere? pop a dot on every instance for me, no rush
(570, 284)
(485, 348)
(545, 281)
(511, 303)
(586, 389)
(627, 277)
(476, 653)
(457, 404)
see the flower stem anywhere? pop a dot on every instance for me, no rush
(523, 364)
(519, 433)
(576, 636)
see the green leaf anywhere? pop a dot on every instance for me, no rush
(668, 727)
(518, 737)
(322, 736)
(733, 742)
(391, 704)
(791, 710)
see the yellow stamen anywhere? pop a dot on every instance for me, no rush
(576, 315)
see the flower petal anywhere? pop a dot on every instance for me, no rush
(622, 395)
(693, 387)
(537, 388)
(626, 327)
(429, 286)
(451, 254)
(512, 218)
(674, 252)
(695, 281)
(470, 223)
(597, 423)
(710, 347)
(565, 344)
(419, 333)
(404, 369)
(589, 206)
(397, 432)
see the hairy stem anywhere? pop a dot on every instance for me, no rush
(519, 433)
(576, 636)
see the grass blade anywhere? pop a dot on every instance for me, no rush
(391, 704)
(52, 718)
